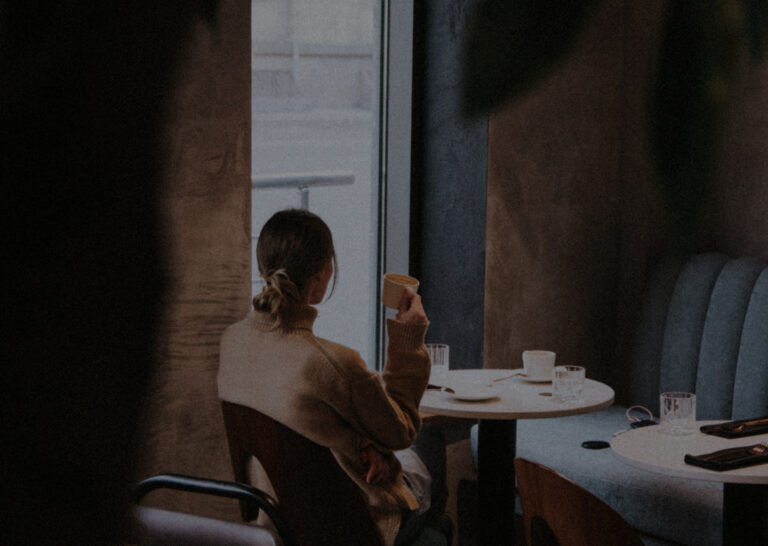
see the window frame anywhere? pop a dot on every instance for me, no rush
(394, 203)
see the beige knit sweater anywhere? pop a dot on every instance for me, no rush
(325, 392)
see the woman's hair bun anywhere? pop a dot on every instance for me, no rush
(278, 295)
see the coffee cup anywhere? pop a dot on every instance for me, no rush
(394, 285)
(538, 365)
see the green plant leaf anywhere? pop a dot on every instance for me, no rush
(701, 44)
(209, 10)
(509, 45)
(757, 21)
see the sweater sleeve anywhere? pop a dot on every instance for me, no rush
(390, 414)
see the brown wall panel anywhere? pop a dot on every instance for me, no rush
(737, 222)
(574, 218)
(206, 206)
(553, 219)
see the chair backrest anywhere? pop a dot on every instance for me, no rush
(557, 510)
(704, 329)
(321, 503)
(150, 526)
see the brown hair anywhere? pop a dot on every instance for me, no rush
(293, 246)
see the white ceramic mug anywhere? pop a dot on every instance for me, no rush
(538, 365)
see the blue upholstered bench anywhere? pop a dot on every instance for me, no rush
(703, 328)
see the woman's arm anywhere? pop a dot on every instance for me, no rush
(379, 467)
(389, 413)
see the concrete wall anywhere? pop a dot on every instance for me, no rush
(448, 180)
(448, 227)
(574, 220)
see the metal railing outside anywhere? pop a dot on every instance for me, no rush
(302, 182)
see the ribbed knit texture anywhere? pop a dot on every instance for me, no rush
(325, 392)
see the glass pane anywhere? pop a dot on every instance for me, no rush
(315, 97)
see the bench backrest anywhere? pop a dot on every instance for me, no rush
(703, 328)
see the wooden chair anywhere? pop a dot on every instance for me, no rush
(557, 510)
(321, 503)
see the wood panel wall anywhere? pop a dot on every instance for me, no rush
(206, 210)
(574, 221)
(554, 207)
(737, 221)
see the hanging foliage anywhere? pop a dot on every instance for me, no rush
(511, 44)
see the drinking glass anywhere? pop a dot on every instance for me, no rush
(438, 355)
(677, 413)
(567, 383)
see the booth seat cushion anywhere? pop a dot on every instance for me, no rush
(666, 509)
(703, 328)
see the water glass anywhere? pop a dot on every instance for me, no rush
(438, 355)
(677, 413)
(567, 383)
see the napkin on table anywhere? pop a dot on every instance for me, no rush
(731, 458)
(738, 429)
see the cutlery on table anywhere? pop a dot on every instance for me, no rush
(753, 422)
(520, 374)
(440, 388)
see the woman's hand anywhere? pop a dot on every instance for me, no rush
(410, 310)
(378, 467)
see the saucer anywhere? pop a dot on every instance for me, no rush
(473, 394)
(534, 380)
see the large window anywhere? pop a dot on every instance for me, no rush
(331, 85)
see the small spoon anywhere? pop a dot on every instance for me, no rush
(509, 377)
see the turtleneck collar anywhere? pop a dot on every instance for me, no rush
(300, 319)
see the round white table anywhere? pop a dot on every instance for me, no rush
(509, 399)
(745, 490)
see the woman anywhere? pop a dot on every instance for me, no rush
(271, 361)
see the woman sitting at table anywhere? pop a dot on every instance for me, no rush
(272, 362)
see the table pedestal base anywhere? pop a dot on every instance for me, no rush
(496, 482)
(745, 514)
